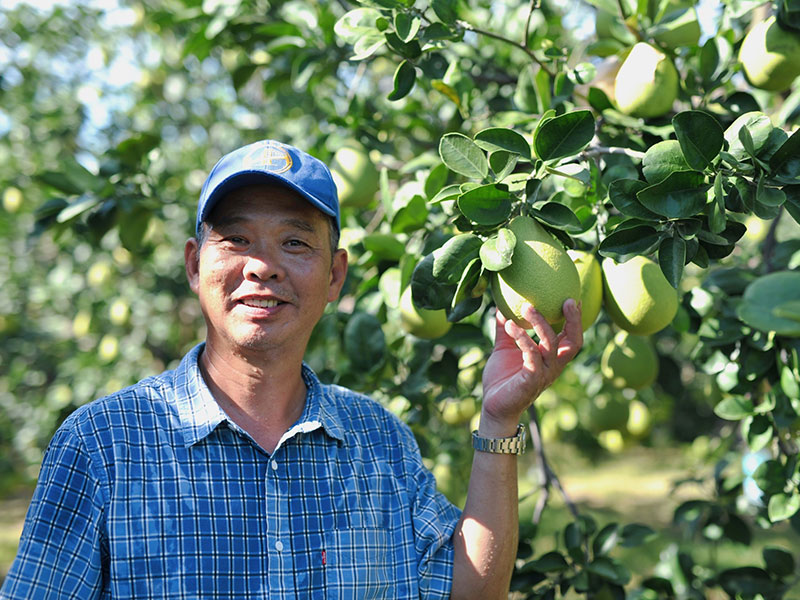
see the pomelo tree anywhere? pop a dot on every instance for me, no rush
(472, 113)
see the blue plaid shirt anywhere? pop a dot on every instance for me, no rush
(153, 492)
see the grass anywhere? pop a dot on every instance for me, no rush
(13, 506)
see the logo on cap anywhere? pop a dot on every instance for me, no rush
(269, 157)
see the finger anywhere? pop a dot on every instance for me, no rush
(529, 349)
(547, 337)
(501, 338)
(570, 339)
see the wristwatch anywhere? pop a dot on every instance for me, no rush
(508, 445)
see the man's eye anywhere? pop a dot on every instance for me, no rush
(236, 239)
(296, 243)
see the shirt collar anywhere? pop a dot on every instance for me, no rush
(199, 414)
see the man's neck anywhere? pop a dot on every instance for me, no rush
(264, 399)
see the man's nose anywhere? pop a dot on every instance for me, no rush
(263, 264)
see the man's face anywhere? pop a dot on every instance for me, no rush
(265, 272)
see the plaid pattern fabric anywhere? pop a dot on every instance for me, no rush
(153, 492)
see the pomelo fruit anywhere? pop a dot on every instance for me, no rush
(591, 277)
(629, 361)
(421, 322)
(646, 84)
(637, 296)
(541, 273)
(770, 56)
(356, 178)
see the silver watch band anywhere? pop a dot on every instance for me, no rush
(508, 445)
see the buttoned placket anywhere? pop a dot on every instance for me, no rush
(278, 534)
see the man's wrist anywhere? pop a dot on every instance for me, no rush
(493, 428)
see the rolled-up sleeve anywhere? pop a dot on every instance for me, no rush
(61, 547)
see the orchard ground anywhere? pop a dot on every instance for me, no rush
(637, 485)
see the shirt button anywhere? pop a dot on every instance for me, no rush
(279, 546)
(274, 466)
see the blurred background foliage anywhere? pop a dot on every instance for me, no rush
(112, 114)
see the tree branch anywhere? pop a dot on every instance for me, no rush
(500, 38)
(549, 478)
(534, 6)
(596, 151)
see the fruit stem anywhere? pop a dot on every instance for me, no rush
(549, 478)
(500, 38)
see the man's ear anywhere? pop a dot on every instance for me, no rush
(338, 274)
(191, 259)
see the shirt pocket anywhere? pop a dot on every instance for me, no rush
(359, 564)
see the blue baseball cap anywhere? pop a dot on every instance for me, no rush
(269, 161)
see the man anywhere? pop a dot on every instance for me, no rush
(238, 474)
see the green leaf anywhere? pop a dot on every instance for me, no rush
(767, 195)
(406, 25)
(779, 561)
(748, 582)
(427, 291)
(559, 216)
(384, 245)
(764, 295)
(451, 259)
(404, 77)
(682, 194)
(700, 136)
(411, 217)
(662, 159)
(757, 431)
(672, 258)
(77, 207)
(466, 283)
(790, 382)
(636, 534)
(758, 128)
(364, 342)
(355, 24)
(785, 162)
(564, 135)
(783, 506)
(622, 244)
(486, 205)
(610, 570)
(497, 251)
(136, 223)
(501, 138)
(734, 408)
(770, 477)
(503, 163)
(551, 562)
(622, 195)
(446, 10)
(463, 156)
(606, 540)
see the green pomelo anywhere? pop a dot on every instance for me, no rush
(647, 83)
(770, 303)
(541, 273)
(629, 361)
(607, 412)
(591, 277)
(770, 56)
(421, 322)
(357, 180)
(637, 296)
